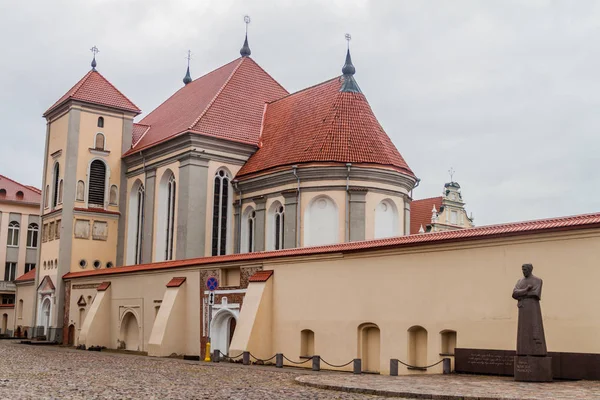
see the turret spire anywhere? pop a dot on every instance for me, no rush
(95, 51)
(188, 78)
(245, 50)
(348, 70)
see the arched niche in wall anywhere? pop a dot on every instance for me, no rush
(321, 222)
(386, 219)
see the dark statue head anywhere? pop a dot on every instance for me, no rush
(527, 269)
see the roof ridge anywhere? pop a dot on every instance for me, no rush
(209, 105)
(303, 90)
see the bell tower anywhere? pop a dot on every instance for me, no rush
(87, 131)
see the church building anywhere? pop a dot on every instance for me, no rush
(299, 205)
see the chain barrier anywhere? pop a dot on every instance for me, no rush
(258, 359)
(413, 366)
(226, 357)
(298, 363)
(338, 366)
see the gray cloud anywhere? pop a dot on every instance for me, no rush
(506, 92)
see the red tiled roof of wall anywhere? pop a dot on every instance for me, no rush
(420, 212)
(96, 89)
(30, 194)
(322, 124)
(260, 276)
(103, 286)
(586, 221)
(227, 103)
(176, 282)
(29, 276)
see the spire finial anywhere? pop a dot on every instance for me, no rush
(95, 51)
(451, 171)
(245, 50)
(188, 78)
(348, 70)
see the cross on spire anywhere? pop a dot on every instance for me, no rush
(95, 51)
(451, 171)
(348, 39)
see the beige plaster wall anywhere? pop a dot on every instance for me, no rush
(10, 318)
(466, 288)
(25, 292)
(140, 294)
(93, 249)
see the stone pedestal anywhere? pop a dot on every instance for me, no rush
(533, 369)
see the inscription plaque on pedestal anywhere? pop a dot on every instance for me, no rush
(533, 369)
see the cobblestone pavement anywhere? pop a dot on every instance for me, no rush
(51, 372)
(456, 386)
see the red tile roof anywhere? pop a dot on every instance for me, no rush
(27, 277)
(30, 194)
(227, 103)
(260, 276)
(176, 282)
(420, 213)
(138, 131)
(587, 221)
(96, 89)
(103, 287)
(322, 124)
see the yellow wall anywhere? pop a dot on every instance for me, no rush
(89, 249)
(25, 292)
(59, 128)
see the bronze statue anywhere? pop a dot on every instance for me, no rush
(530, 333)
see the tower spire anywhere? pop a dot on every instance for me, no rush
(95, 51)
(188, 78)
(245, 50)
(348, 70)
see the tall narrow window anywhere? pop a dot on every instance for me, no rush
(99, 145)
(100, 122)
(97, 183)
(251, 220)
(20, 309)
(32, 235)
(139, 225)
(170, 218)
(13, 234)
(47, 196)
(55, 187)
(279, 220)
(10, 271)
(220, 211)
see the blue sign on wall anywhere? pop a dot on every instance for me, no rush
(212, 283)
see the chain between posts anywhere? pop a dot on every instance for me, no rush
(338, 366)
(258, 359)
(413, 366)
(225, 356)
(298, 363)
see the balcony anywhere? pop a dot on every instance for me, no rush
(7, 287)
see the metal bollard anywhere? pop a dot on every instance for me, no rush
(246, 358)
(316, 363)
(447, 364)
(279, 360)
(357, 366)
(216, 356)
(393, 367)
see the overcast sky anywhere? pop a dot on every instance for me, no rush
(505, 92)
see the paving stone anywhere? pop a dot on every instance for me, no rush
(454, 386)
(51, 372)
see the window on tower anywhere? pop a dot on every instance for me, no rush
(99, 145)
(220, 213)
(56, 180)
(97, 183)
(100, 122)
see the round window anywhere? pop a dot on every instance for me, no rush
(109, 264)
(97, 264)
(82, 263)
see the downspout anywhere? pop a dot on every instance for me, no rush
(238, 243)
(298, 206)
(407, 209)
(348, 165)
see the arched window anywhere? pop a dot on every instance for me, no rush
(220, 213)
(20, 309)
(100, 122)
(32, 235)
(55, 179)
(386, 219)
(321, 222)
(165, 224)
(99, 144)
(2, 193)
(114, 193)
(307, 343)
(60, 192)
(248, 230)
(97, 183)
(20, 195)
(135, 223)
(275, 228)
(80, 194)
(13, 234)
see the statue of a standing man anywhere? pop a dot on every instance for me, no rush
(530, 333)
